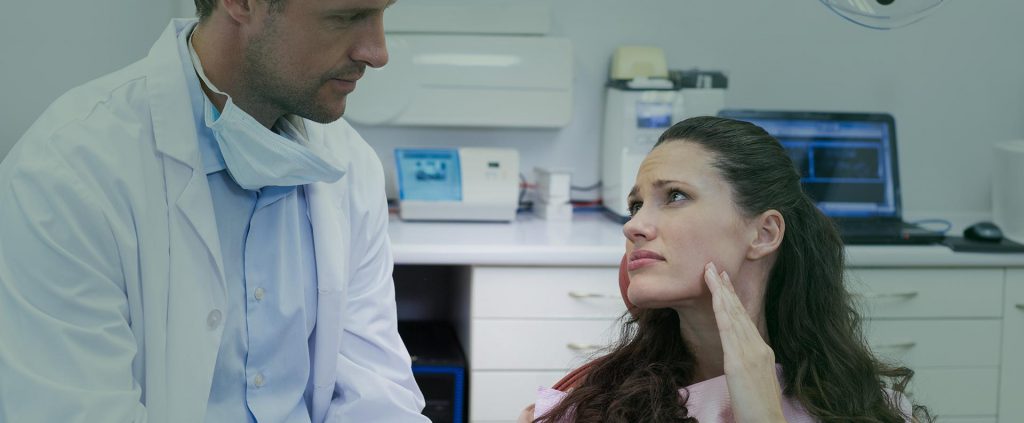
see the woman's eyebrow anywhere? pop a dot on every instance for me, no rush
(660, 183)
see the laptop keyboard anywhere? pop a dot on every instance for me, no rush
(859, 225)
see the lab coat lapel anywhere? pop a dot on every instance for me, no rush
(332, 241)
(196, 286)
(174, 130)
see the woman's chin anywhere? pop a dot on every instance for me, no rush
(647, 299)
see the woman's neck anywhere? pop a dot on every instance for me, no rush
(700, 332)
(699, 329)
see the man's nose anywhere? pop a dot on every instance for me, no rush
(371, 47)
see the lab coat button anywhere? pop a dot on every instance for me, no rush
(258, 380)
(213, 319)
(258, 294)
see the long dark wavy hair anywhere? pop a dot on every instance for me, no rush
(813, 326)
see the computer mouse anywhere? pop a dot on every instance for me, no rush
(983, 232)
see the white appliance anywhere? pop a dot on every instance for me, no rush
(639, 109)
(457, 184)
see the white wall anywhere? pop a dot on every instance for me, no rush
(954, 81)
(48, 47)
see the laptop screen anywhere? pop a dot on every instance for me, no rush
(847, 161)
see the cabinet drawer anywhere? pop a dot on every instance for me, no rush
(936, 343)
(501, 396)
(1011, 404)
(957, 392)
(499, 344)
(556, 292)
(884, 293)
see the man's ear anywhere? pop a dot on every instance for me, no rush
(240, 11)
(769, 227)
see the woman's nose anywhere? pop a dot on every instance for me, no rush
(639, 228)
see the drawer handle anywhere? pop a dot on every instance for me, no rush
(583, 295)
(1020, 306)
(896, 346)
(901, 295)
(579, 346)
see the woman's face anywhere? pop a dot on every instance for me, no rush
(683, 217)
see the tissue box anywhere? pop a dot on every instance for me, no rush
(553, 211)
(553, 185)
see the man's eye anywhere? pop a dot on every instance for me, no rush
(350, 19)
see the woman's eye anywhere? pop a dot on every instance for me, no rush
(634, 208)
(676, 196)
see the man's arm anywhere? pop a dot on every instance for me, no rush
(375, 381)
(66, 347)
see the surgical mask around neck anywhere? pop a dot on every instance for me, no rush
(256, 156)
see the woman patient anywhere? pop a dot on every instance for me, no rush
(740, 309)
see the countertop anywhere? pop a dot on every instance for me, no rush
(592, 239)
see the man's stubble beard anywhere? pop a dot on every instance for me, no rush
(265, 80)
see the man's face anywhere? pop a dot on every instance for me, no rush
(305, 56)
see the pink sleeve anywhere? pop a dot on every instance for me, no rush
(904, 403)
(547, 399)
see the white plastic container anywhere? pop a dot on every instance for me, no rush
(1008, 188)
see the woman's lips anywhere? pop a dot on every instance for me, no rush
(642, 258)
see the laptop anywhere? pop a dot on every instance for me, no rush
(848, 165)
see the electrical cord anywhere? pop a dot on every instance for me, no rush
(925, 222)
(595, 186)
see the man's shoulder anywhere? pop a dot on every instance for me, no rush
(96, 132)
(109, 112)
(118, 92)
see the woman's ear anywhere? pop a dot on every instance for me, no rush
(769, 227)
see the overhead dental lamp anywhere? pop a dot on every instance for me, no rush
(883, 14)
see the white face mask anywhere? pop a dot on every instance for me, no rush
(256, 156)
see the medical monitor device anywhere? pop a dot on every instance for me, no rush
(457, 184)
(847, 161)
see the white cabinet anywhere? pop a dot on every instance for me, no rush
(530, 326)
(953, 326)
(1011, 390)
(943, 323)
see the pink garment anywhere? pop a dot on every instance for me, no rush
(708, 401)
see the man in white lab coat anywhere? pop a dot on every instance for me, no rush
(200, 237)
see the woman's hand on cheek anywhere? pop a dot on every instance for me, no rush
(749, 361)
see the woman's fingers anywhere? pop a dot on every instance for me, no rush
(718, 298)
(741, 341)
(749, 362)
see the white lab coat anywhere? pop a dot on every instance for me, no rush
(112, 286)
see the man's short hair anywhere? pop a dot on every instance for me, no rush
(205, 7)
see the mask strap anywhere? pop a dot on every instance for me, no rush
(198, 66)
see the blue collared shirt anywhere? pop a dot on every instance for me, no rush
(263, 366)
